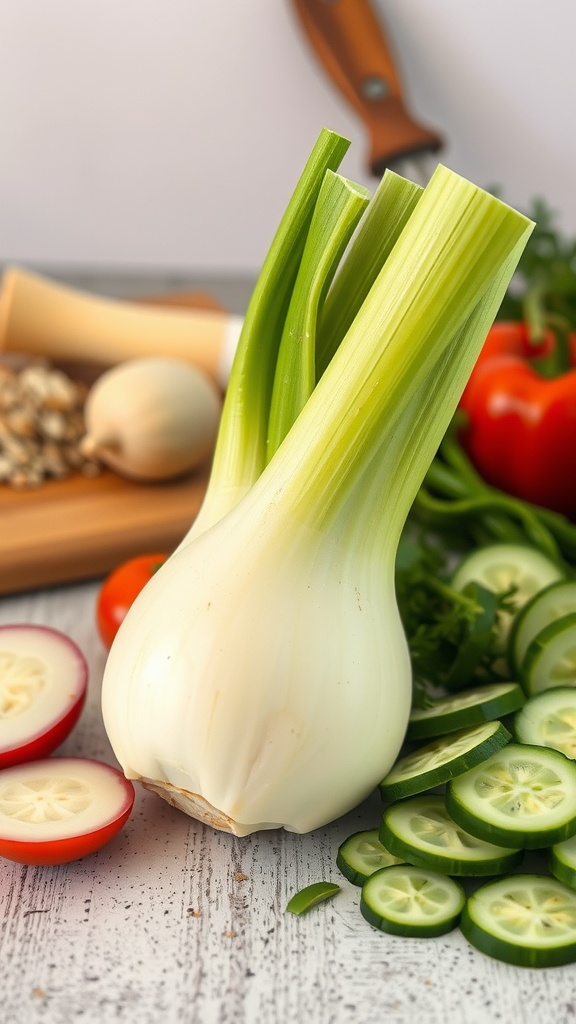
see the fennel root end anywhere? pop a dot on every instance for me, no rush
(195, 806)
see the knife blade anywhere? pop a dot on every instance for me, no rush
(350, 43)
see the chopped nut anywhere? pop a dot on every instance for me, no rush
(41, 425)
(52, 424)
(62, 394)
(21, 422)
(18, 450)
(34, 382)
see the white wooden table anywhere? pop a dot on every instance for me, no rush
(175, 923)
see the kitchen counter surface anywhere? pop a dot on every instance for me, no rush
(173, 922)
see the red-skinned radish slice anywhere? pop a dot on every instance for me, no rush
(43, 681)
(60, 809)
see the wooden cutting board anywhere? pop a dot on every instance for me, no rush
(82, 527)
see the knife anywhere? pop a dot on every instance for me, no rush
(350, 43)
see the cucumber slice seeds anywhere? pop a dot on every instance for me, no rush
(411, 901)
(549, 720)
(506, 567)
(527, 920)
(523, 796)
(421, 831)
(362, 854)
(514, 569)
(442, 760)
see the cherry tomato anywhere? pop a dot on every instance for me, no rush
(119, 591)
(60, 809)
(43, 681)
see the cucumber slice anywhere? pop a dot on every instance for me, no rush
(362, 854)
(550, 659)
(549, 720)
(421, 831)
(442, 760)
(468, 708)
(546, 606)
(523, 796)
(562, 861)
(410, 901)
(499, 567)
(527, 920)
(506, 567)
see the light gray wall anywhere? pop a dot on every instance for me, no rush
(169, 133)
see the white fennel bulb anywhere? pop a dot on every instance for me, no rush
(262, 718)
(262, 677)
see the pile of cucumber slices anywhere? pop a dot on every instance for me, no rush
(488, 781)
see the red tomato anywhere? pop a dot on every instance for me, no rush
(61, 809)
(119, 591)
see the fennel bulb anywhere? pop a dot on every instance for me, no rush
(262, 678)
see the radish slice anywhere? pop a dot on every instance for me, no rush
(43, 681)
(60, 809)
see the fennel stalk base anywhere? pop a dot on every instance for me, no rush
(195, 806)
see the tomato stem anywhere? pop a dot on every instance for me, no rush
(537, 319)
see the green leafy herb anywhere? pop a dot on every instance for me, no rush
(452, 635)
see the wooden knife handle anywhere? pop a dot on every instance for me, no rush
(350, 43)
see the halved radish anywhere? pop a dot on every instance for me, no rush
(60, 809)
(43, 680)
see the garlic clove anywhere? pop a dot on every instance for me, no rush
(153, 418)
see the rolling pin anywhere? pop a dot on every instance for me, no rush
(43, 318)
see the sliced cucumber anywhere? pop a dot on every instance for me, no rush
(523, 796)
(549, 720)
(527, 920)
(550, 658)
(501, 567)
(362, 854)
(442, 760)
(421, 831)
(468, 708)
(508, 568)
(410, 901)
(546, 606)
(562, 861)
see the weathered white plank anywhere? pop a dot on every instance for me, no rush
(160, 925)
